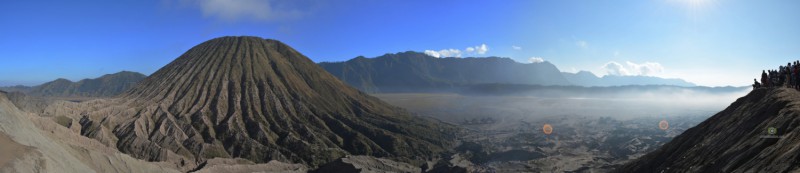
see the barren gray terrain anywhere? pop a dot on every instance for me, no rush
(589, 133)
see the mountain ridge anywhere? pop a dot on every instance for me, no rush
(414, 71)
(418, 72)
(580, 91)
(107, 85)
(589, 79)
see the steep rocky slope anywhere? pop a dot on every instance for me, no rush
(30, 143)
(257, 99)
(735, 139)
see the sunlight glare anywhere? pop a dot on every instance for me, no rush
(695, 8)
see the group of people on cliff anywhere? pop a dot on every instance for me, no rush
(788, 76)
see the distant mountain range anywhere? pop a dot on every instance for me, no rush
(585, 78)
(400, 72)
(414, 71)
(581, 91)
(418, 72)
(104, 86)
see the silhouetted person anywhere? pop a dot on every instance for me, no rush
(790, 74)
(781, 76)
(796, 76)
(793, 75)
(773, 76)
(764, 78)
(756, 85)
(787, 75)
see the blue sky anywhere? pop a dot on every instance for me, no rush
(708, 42)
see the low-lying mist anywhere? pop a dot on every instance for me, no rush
(592, 127)
(531, 102)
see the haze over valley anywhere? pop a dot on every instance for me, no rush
(414, 86)
(487, 122)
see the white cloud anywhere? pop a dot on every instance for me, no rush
(450, 53)
(643, 69)
(516, 47)
(480, 49)
(614, 68)
(444, 53)
(234, 10)
(432, 53)
(535, 60)
(646, 68)
(582, 44)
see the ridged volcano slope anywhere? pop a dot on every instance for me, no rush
(260, 100)
(735, 139)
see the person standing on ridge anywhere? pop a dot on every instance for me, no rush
(770, 75)
(774, 78)
(792, 82)
(789, 76)
(794, 74)
(764, 78)
(781, 76)
(797, 75)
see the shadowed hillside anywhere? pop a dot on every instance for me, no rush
(418, 72)
(735, 139)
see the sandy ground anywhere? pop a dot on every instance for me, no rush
(30, 142)
(11, 150)
(38, 144)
